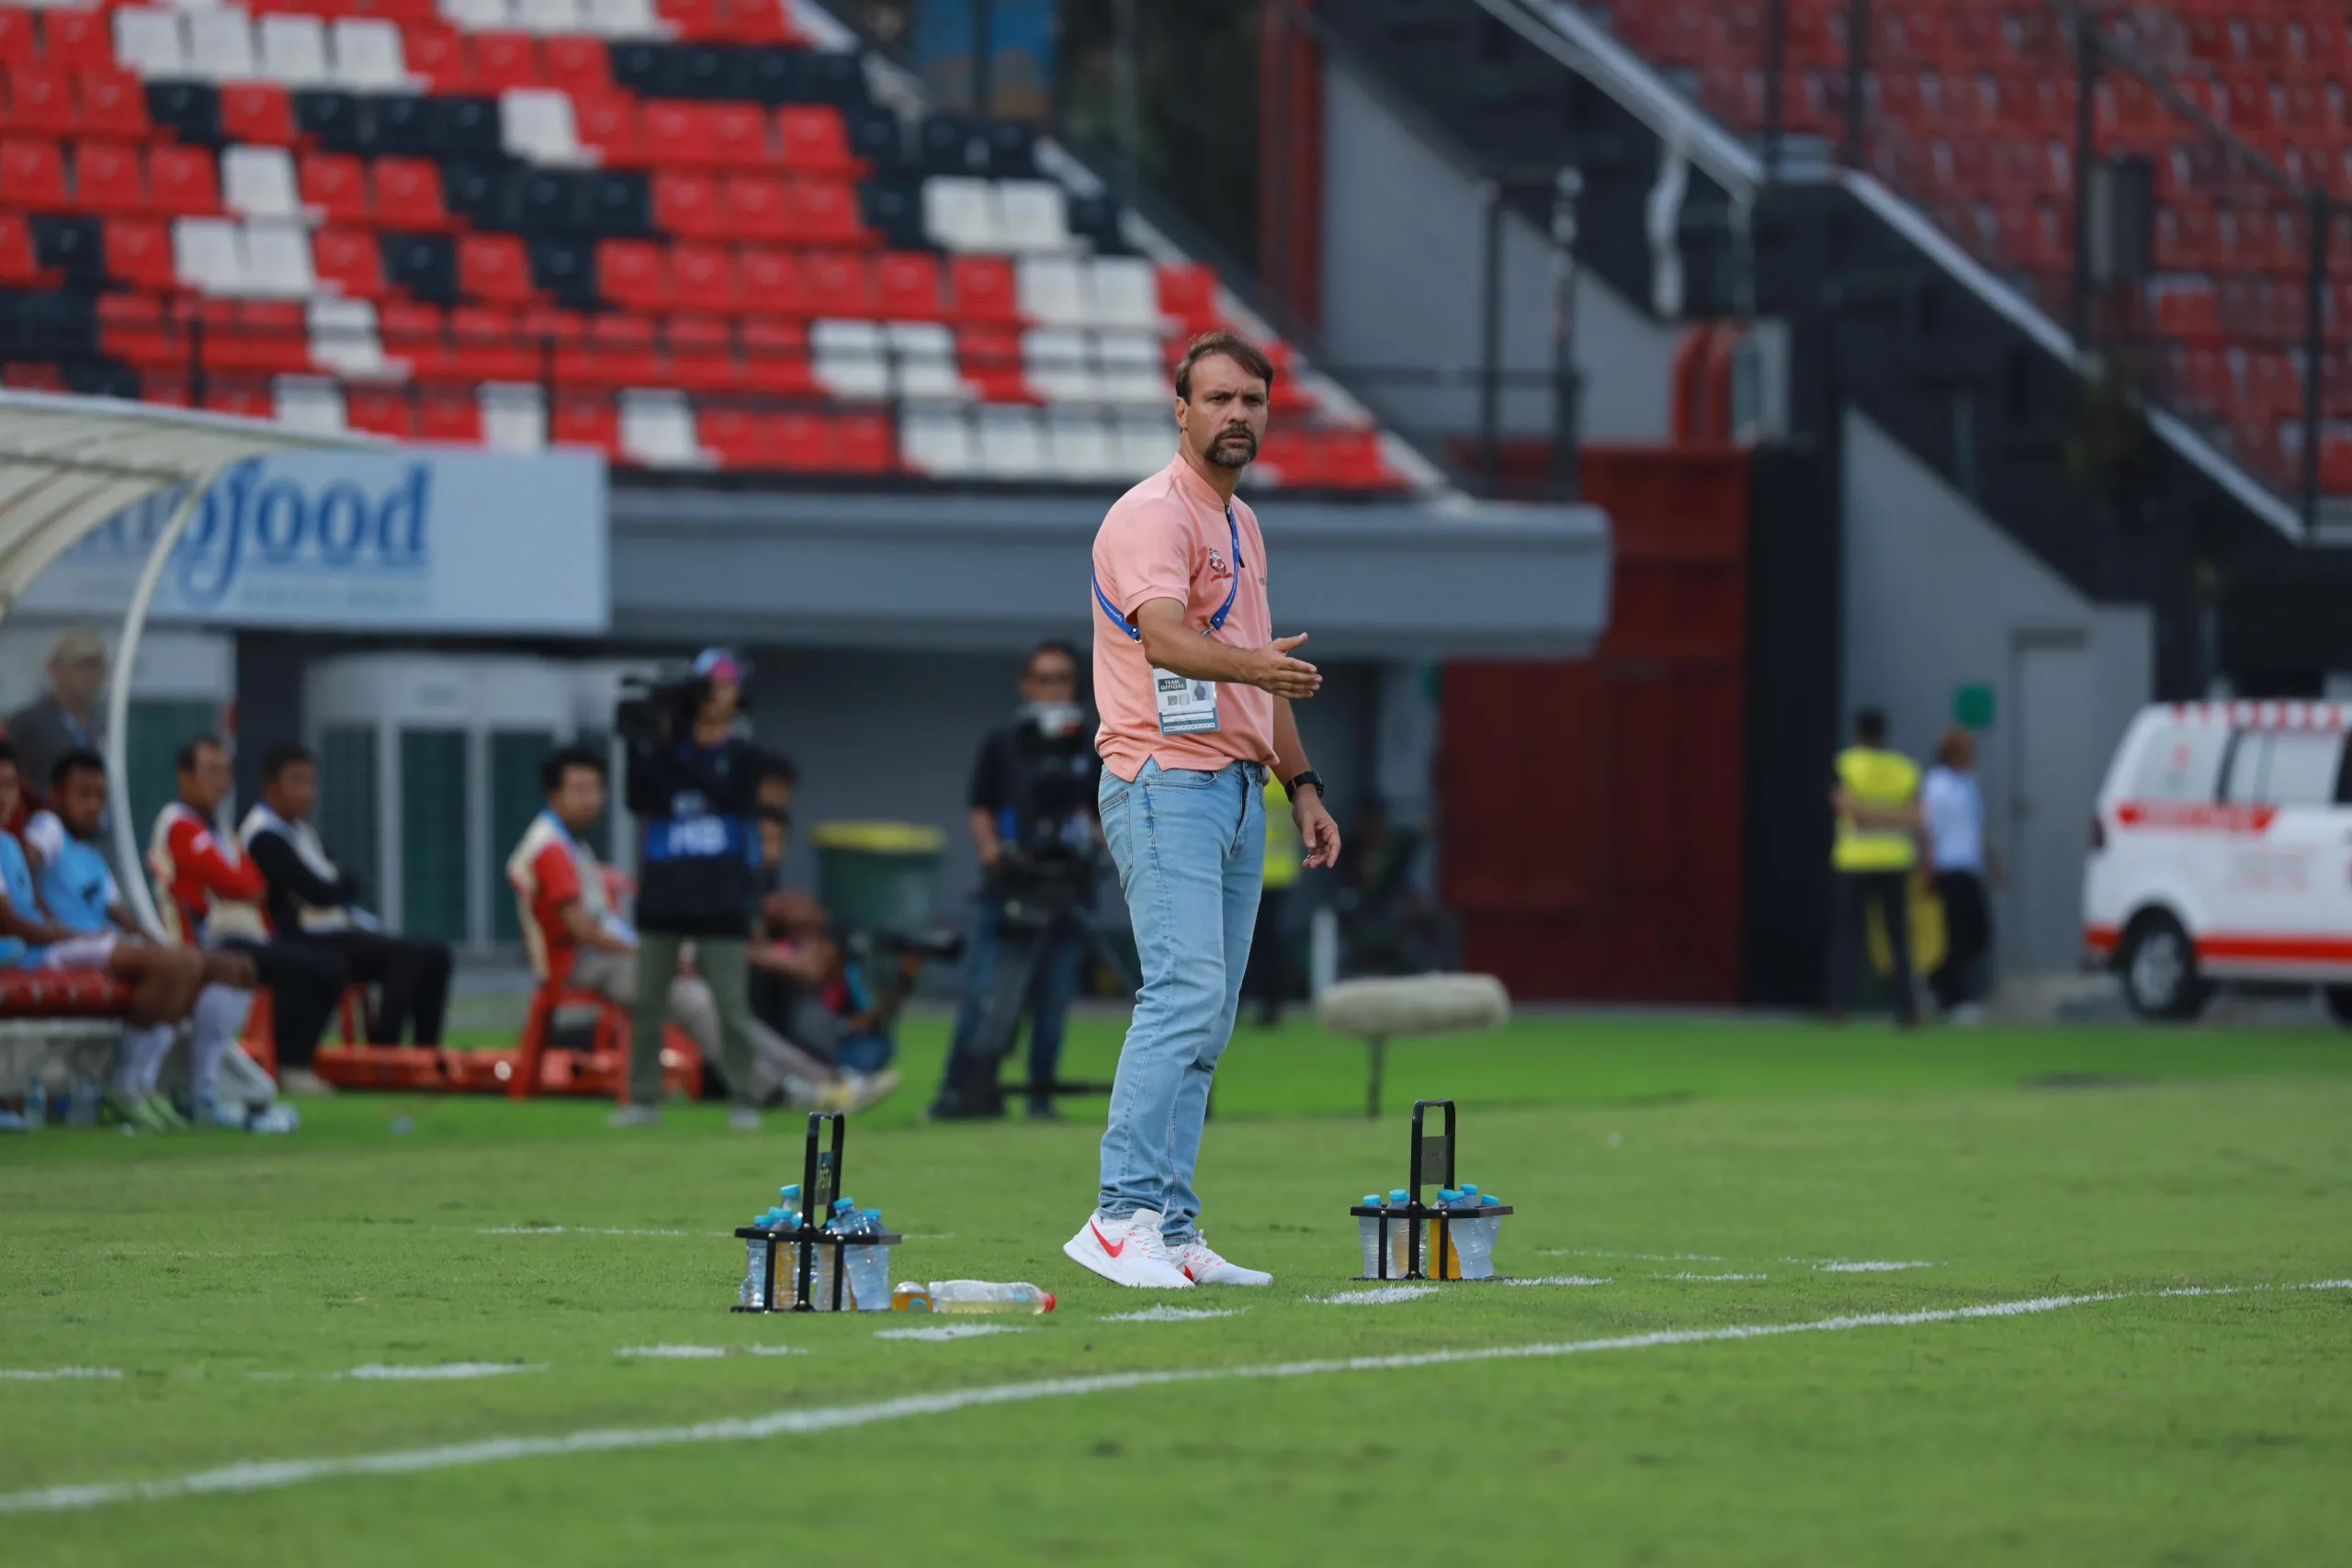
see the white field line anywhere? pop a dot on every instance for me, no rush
(442, 1371)
(585, 1230)
(1384, 1296)
(1842, 1267)
(1711, 1279)
(262, 1475)
(47, 1374)
(1173, 1314)
(1558, 1279)
(1636, 1257)
(705, 1352)
(949, 1331)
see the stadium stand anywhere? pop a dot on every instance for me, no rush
(420, 221)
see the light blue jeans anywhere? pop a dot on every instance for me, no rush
(1191, 850)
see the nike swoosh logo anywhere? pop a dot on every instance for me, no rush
(1103, 1242)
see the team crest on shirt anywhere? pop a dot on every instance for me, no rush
(1217, 568)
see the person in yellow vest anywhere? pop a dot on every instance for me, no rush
(1876, 798)
(1266, 980)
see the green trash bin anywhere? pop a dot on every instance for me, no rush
(879, 876)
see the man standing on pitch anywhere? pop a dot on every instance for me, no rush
(1195, 694)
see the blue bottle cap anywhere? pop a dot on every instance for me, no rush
(1372, 1200)
(845, 1205)
(1489, 1200)
(875, 1216)
(1398, 1195)
(789, 1193)
(1469, 1190)
(1447, 1195)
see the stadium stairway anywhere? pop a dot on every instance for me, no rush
(1944, 339)
(684, 232)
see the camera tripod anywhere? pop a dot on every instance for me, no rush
(1025, 931)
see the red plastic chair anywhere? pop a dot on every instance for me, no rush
(109, 178)
(84, 39)
(612, 1034)
(706, 276)
(981, 288)
(41, 100)
(184, 181)
(449, 413)
(114, 102)
(336, 184)
(349, 262)
(702, 354)
(907, 284)
(756, 207)
(506, 59)
(814, 141)
(257, 112)
(840, 285)
(32, 174)
(408, 195)
(495, 267)
(773, 282)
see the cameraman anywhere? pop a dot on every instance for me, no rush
(692, 785)
(1004, 790)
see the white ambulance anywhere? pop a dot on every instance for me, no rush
(2221, 851)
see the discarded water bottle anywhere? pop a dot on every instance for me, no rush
(910, 1296)
(869, 1266)
(988, 1295)
(1368, 1227)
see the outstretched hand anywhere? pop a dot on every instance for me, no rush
(1273, 669)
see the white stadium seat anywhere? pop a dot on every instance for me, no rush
(536, 125)
(848, 359)
(368, 55)
(151, 42)
(1133, 373)
(208, 255)
(1008, 444)
(1036, 216)
(277, 261)
(923, 355)
(1079, 445)
(1053, 291)
(1145, 442)
(221, 47)
(1058, 364)
(622, 19)
(258, 182)
(549, 17)
(293, 50)
(344, 338)
(1125, 293)
(311, 403)
(514, 417)
(960, 214)
(658, 430)
(477, 16)
(936, 441)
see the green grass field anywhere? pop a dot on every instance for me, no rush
(2201, 1413)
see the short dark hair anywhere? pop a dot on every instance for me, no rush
(1234, 346)
(184, 760)
(774, 765)
(81, 758)
(281, 758)
(563, 759)
(1870, 726)
(1052, 645)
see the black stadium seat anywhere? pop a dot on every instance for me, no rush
(893, 208)
(620, 206)
(649, 69)
(190, 111)
(553, 201)
(483, 195)
(73, 245)
(424, 265)
(567, 269)
(876, 135)
(333, 122)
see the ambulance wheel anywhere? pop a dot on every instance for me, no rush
(2339, 1002)
(2159, 969)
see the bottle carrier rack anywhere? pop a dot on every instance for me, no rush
(820, 1180)
(1433, 1166)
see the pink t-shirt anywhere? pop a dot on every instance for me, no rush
(1167, 538)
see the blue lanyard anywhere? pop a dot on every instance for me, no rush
(1217, 622)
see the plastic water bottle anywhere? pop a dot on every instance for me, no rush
(788, 1203)
(842, 1218)
(988, 1295)
(1400, 1234)
(910, 1296)
(1435, 1266)
(1368, 1227)
(1475, 1238)
(37, 1105)
(82, 1105)
(869, 1266)
(754, 1292)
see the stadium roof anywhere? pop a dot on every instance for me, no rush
(68, 464)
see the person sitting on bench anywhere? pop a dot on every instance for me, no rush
(311, 897)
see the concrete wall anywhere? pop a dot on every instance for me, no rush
(1937, 597)
(1403, 280)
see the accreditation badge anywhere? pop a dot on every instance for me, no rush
(1186, 706)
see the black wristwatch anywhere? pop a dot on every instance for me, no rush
(1308, 777)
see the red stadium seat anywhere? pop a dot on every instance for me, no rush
(449, 413)
(33, 377)
(739, 136)
(625, 351)
(840, 284)
(800, 442)
(166, 387)
(109, 178)
(907, 285)
(417, 335)
(687, 206)
(438, 54)
(814, 141)
(336, 184)
(257, 337)
(695, 19)
(114, 102)
(493, 267)
(257, 112)
(616, 127)
(864, 443)
(773, 284)
(488, 345)
(581, 66)
(757, 207)
(132, 328)
(825, 213)
(706, 275)
(990, 358)
(775, 359)
(505, 59)
(678, 135)
(18, 42)
(41, 100)
(138, 252)
(379, 410)
(32, 174)
(737, 435)
(585, 419)
(251, 400)
(981, 288)
(17, 264)
(635, 273)
(349, 262)
(408, 194)
(80, 39)
(702, 354)
(184, 181)
(1188, 292)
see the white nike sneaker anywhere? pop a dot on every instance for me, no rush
(1127, 1251)
(1202, 1266)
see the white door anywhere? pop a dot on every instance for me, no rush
(2053, 784)
(2283, 867)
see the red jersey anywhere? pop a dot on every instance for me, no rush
(549, 869)
(205, 885)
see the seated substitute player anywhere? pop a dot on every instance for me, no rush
(315, 900)
(576, 938)
(77, 887)
(209, 893)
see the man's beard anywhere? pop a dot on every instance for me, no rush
(1225, 454)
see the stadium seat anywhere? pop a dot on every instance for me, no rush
(705, 276)
(907, 286)
(825, 212)
(1008, 444)
(493, 267)
(310, 403)
(1033, 215)
(349, 262)
(291, 50)
(151, 42)
(536, 126)
(814, 141)
(635, 274)
(922, 357)
(839, 282)
(132, 328)
(773, 282)
(1188, 296)
(254, 337)
(344, 338)
(183, 181)
(257, 112)
(40, 100)
(440, 56)
(108, 178)
(585, 419)
(114, 102)
(221, 47)
(687, 205)
(504, 60)
(990, 360)
(960, 214)
(581, 66)
(335, 184)
(137, 254)
(615, 129)
(408, 196)
(936, 442)
(258, 182)
(1078, 444)
(18, 266)
(32, 174)
(702, 354)
(369, 56)
(1132, 367)
(1054, 292)
(849, 359)
(625, 352)
(756, 207)
(1059, 363)
(449, 413)
(657, 429)
(776, 358)
(1125, 293)
(379, 410)
(278, 257)
(20, 43)
(981, 289)
(486, 344)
